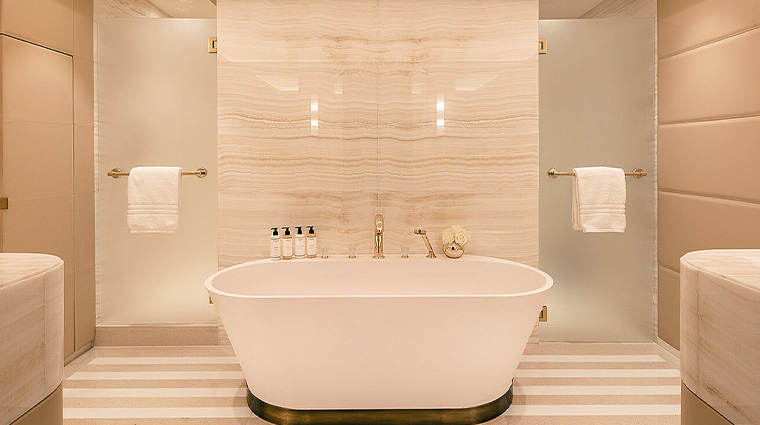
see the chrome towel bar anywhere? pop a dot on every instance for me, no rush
(554, 173)
(201, 173)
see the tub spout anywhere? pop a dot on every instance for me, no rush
(423, 233)
(379, 226)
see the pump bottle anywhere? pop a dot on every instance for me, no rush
(311, 243)
(300, 243)
(287, 244)
(274, 245)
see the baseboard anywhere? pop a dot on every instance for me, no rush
(73, 356)
(669, 353)
(156, 335)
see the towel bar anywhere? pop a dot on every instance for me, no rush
(554, 173)
(201, 173)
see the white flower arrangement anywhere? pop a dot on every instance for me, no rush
(455, 234)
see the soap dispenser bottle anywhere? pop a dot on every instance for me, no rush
(287, 244)
(300, 242)
(311, 243)
(274, 245)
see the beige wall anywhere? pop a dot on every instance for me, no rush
(375, 72)
(709, 116)
(47, 140)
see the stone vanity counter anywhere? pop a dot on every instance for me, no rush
(720, 331)
(31, 334)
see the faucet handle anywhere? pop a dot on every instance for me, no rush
(420, 232)
(379, 222)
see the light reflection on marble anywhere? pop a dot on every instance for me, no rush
(31, 331)
(720, 330)
(378, 70)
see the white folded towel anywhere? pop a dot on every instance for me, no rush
(599, 199)
(153, 199)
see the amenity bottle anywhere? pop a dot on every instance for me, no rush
(300, 242)
(287, 244)
(274, 245)
(311, 243)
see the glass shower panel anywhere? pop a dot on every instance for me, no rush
(596, 87)
(156, 107)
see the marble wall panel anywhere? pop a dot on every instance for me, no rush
(23, 344)
(424, 31)
(333, 31)
(720, 325)
(297, 146)
(31, 331)
(330, 111)
(457, 145)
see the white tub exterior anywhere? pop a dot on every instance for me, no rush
(379, 334)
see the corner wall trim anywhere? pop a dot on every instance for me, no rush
(156, 335)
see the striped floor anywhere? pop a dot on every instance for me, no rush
(568, 384)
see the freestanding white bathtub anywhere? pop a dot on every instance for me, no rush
(379, 341)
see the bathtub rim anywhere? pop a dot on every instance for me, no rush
(548, 282)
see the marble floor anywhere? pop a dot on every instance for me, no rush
(568, 384)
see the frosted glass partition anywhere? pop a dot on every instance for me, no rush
(596, 97)
(157, 106)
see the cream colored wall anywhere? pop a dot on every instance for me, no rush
(47, 103)
(375, 71)
(709, 116)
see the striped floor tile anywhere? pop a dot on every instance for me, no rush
(567, 384)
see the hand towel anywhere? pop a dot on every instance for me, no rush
(599, 199)
(153, 199)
